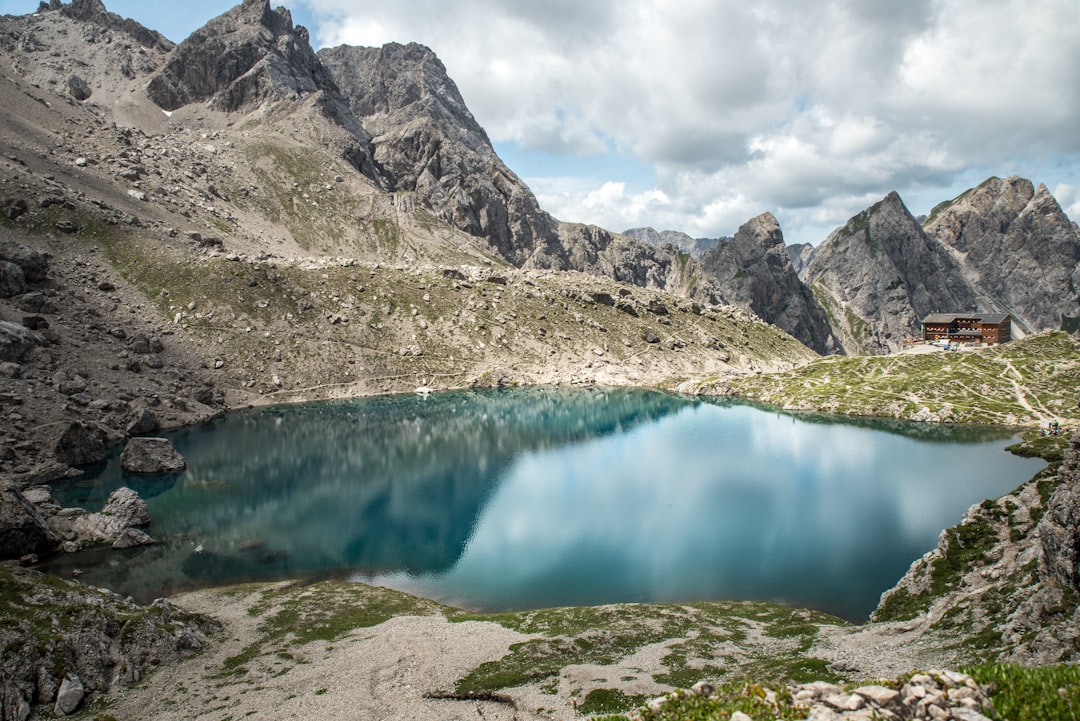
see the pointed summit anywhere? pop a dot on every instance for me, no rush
(881, 274)
(1020, 248)
(755, 272)
(240, 60)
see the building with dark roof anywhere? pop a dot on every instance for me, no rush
(968, 327)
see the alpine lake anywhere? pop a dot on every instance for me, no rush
(538, 497)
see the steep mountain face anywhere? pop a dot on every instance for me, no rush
(680, 241)
(879, 275)
(252, 56)
(1019, 250)
(754, 271)
(427, 142)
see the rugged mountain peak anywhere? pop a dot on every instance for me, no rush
(1020, 249)
(754, 271)
(94, 11)
(764, 229)
(237, 61)
(427, 142)
(881, 274)
(399, 79)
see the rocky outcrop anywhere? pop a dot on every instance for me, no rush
(1005, 575)
(17, 341)
(933, 696)
(81, 445)
(754, 271)
(879, 275)
(34, 265)
(590, 249)
(118, 524)
(151, 455)
(22, 529)
(76, 642)
(1018, 248)
(1059, 530)
(800, 254)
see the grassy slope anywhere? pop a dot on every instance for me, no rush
(1025, 382)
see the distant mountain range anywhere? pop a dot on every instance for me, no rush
(429, 187)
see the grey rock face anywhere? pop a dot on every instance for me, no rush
(800, 254)
(428, 143)
(78, 88)
(881, 275)
(1020, 250)
(151, 455)
(16, 341)
(123, 510)
(93, 11)
(81, 445)
(70, 696)
(33, 264)
(12, 279)
(22, 529)
(144, 422)
(1059, 529)
(238, 60)
(754, 272)
(107, 641)
(251, 56)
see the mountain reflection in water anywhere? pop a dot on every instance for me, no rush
(537, 497)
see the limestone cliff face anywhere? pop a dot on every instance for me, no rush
(1019, 250)
(879, 275)
(427, 142)
(754, 271)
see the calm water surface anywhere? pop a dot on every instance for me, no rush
(539, 497)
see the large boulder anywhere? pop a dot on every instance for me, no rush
(34, 265)
(123, 510)
(12, 279)
(144, 421)
(22, 529)
(151, 455)
(81, 445)
(70, 696)
(16, 341)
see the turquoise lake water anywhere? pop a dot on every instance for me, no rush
(511, 499)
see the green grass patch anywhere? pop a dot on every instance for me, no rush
(609, 701)
(1046, 693)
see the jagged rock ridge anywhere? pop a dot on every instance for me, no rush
(679, 240)
(879, 275)
(754, 271)
(427, 142)
(1018, 249)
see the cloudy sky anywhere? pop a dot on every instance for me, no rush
(699, 114)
